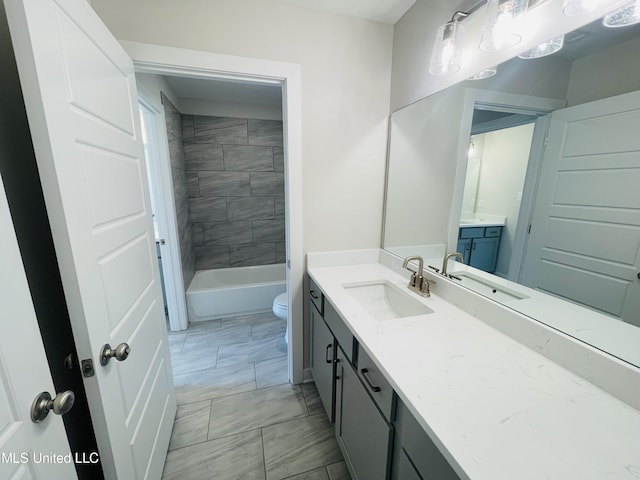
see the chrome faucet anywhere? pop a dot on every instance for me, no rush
(417, 282)
(446, 260)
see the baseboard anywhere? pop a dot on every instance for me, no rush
(307, 376)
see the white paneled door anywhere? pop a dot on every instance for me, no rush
(24, 373)
(81, 101)
(585, 237)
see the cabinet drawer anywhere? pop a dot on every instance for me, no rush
(316, 295)
(472, 232)
(339, 329)
(377, 385)
(493, 231)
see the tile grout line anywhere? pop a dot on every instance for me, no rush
(255, 375)
(305, 401)
(264, 455)
(209, 421)
(307, 471)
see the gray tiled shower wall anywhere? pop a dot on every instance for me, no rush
(176, 154)
(235, 184)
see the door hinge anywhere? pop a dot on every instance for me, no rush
(87, 368)
(70, 361)
(529, 230)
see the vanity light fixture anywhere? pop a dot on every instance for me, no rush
(623, 17)
(580, 7)
(486, 73)
(502, 27)
(445, 56)
(545, 48)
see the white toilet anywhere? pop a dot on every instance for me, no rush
(280, 309)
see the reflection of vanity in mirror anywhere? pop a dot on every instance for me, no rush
(533, 175)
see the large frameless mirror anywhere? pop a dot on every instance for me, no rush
(532, 175)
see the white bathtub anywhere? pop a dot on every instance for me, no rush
(229, 292)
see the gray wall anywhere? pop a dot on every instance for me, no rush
(235, 184)
(413, 38)
(178, 177)
(604, 74)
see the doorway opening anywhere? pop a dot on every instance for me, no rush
(222, 177)
(499, 150)
(490, 113)
(152, 146)
(158, 60)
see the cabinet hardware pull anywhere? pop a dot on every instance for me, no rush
(326, 354)
(373, 388)
(313, 295)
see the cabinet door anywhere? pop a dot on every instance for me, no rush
(363, 433)
(484, 253)
(322, 360)
(464, 247)
(406, 470)
(415, 453)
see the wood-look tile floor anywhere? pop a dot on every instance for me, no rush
(238, 417)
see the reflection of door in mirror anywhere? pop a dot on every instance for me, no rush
(584, 244)
(496, 169)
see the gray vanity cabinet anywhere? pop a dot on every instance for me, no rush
(415, 455)
(378, 436)
(364, 435)
(403, 467)
(480, 246)
(323, 346)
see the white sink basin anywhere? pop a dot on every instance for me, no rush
(486, 287)
(385, 301)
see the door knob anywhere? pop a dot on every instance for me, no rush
(121, 352)
(43, 404)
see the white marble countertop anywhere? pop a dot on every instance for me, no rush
(495, 408)
(485, 220)
(607, 333)
(478, 223)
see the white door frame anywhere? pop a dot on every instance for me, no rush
(501, 102)
(157, 59)
(160, 178)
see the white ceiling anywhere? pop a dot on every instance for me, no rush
(385, 11)
(228, 91)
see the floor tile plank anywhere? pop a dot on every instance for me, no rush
(231, 458)
(251, 410)
(298, 446)
(191, 425)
